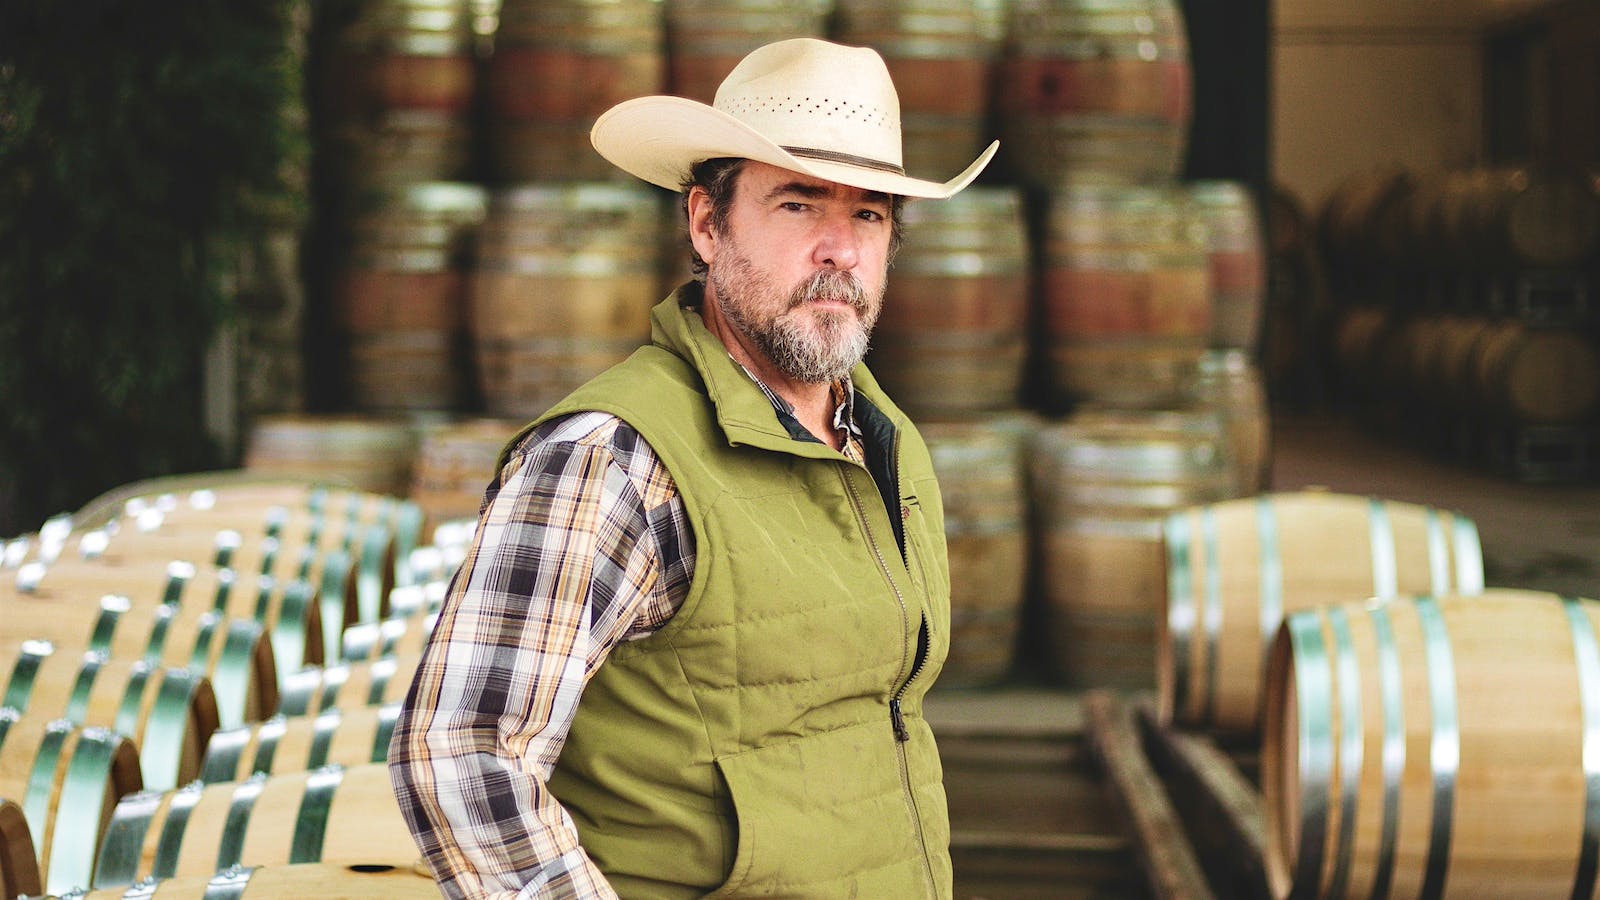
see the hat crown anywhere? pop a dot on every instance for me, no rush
(813, 96)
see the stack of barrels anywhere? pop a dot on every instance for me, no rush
(190, 692)
(1464, 315)
(1076, 330)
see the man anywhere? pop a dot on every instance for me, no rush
(730, 545)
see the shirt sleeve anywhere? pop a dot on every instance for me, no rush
(581, 542)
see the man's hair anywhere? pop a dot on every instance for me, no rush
(718, 177)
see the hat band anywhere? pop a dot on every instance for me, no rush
(846, 159)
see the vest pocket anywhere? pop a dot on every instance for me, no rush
(818, 811)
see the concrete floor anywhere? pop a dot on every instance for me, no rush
(1537, 536)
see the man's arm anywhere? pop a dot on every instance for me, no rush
(582, 542)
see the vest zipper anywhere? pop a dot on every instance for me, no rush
(897, 720)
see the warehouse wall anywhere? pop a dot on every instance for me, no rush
(1358, 83)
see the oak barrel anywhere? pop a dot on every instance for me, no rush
(370, 453)
(402, 298)
(235, 655)
(707, 38)
(68, 779)
(565, 281)
(305, 881)
(1434, 746)
(347, 737)
(168, 713)
(1236, 568)
(19, 865)
(1237, 258)
(981, 466)
(1094, 86)
(333, 814)
(455, 465)
(374, 682)
(942, 56)
(557, 65)
(1103, 481)
(1125, 299)
(952, 335)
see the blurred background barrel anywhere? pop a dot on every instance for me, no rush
(707, 38)
(941, 55)
(368, 453)
(403, 298)
(349, 881)
(557, 65)
(1103, 482)
(952, 335)
(1094, 86)
(566, 278)
(455, 464)
(398, 93)
(981, 464)
(346, 737)
(1125, 302)
(1237, 258)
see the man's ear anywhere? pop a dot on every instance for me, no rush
(701, 234)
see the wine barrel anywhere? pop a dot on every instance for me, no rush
(401, 634)
(1126, 304)
(234, 655)
(1236, 257)
(980, 464)
(1236, 568)
(312, 691)
(1103, 483)
(707, 38)
(1097, 86)
(1364, 227)
(397, 86)
(402, 298)
(1229, 382)
(557, 65)
(455, 465)
(19, 864)
(289, 612)
(942, 56)
(368, 453)
(566, 278)
(1525, 374)
(1519, 219)
(309, 881)
(952, 335)
(1434, 746)
(346, 737)
(68, 779)
(168, 713)
(331, 815)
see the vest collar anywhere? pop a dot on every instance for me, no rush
(743, 410)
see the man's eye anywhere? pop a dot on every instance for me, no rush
(793, 206)
(870, 215)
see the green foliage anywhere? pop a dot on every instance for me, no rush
(140, 143)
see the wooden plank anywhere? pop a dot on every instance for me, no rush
(1222, 806)
(1170, 867)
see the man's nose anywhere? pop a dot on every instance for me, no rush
(837, 244)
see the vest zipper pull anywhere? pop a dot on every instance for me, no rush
(899, 721)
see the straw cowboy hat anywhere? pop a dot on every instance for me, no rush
(806, 105)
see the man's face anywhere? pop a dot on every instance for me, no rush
(801, 269)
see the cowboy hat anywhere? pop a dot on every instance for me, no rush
(805, 105)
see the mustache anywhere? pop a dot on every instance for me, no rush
(829, 284)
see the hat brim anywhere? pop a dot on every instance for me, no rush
(660, 138)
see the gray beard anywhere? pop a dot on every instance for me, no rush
(823, 359)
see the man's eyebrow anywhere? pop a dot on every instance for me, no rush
(816, 191)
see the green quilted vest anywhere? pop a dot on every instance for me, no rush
(769, 740)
